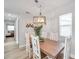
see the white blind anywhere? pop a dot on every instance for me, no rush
(65, 23)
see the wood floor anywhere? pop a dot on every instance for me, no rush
(12, 51)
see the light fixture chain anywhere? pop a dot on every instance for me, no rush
(40, 9)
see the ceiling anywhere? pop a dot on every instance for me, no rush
(10, 17)
(29, 7)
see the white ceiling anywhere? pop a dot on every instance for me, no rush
(20, 7)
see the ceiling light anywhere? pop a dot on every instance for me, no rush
(39, 19)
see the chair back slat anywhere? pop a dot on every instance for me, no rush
(36, 47)
(67, 48)
(28, 49)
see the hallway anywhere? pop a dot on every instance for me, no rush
(11, 50)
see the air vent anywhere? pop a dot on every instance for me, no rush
(27, 12)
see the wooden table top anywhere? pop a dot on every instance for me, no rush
(51, 48)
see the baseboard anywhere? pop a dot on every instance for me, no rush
(21, 46)
(72, 56)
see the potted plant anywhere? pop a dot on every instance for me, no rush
(37, 30)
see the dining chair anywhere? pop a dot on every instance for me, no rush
(28, 49)
(54, 36)
(36, 48)
(67, 48)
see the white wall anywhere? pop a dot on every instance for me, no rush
(21, 33)
(22, 30)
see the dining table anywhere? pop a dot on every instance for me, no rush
(51, 48)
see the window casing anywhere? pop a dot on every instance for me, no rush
(65, 25)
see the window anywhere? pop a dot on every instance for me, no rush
(10, 28)
(65, 24)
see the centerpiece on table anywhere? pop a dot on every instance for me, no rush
(37, 30)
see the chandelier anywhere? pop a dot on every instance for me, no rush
(39, 19)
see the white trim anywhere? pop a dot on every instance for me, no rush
(16, 30)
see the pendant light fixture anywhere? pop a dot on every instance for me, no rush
(39, 19)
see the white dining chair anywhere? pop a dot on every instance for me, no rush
(54, 36)
(28, 49)
(67, 48)
(36, 47)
